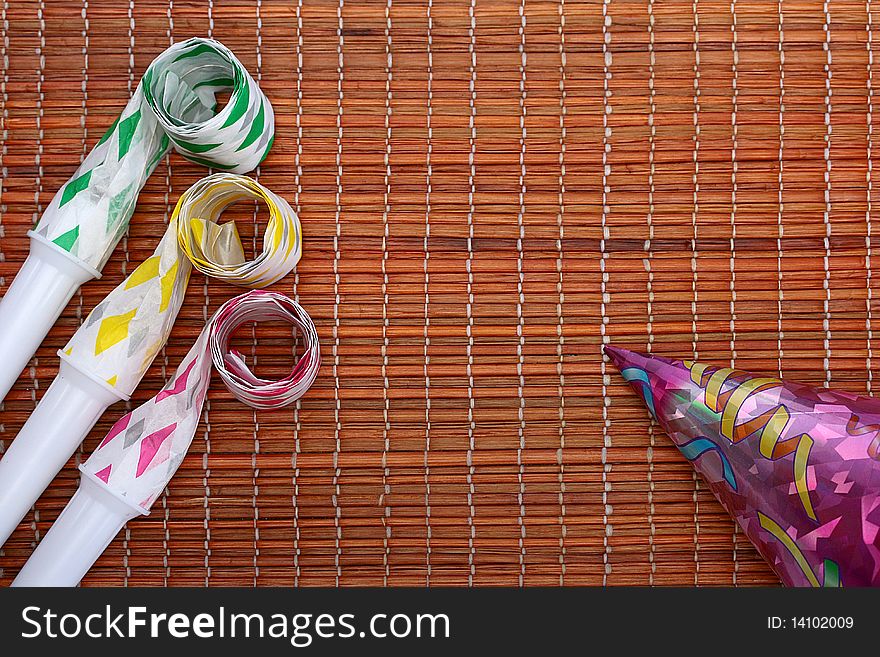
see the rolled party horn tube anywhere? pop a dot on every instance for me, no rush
(135, 461)
(174, 106)
(106, 358)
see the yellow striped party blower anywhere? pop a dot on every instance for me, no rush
(108, 355)
(133, 464)
(797, 467)
(174, 106)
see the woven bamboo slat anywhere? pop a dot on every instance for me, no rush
(489, 190)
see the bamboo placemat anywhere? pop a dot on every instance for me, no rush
(489, 190)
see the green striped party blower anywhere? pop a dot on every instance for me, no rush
(175, 106)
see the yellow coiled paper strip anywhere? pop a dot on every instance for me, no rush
(124, 332)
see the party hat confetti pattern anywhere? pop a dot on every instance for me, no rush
(796, 466)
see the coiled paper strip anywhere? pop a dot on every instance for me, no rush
(145, 447)
(121, 336)
(174, 106)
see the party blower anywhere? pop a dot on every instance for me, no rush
(109, 354)
(797, 467)
(174, 106)
(133, 464)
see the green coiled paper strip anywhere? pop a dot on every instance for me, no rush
(174, 106)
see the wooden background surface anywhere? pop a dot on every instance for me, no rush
(489, 190)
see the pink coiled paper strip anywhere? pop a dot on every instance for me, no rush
(144, 448)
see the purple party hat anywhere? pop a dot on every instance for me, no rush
(797, 467)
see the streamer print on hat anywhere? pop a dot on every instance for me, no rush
(796, 466)
(174, 106)
(123, 333)
(144, 448)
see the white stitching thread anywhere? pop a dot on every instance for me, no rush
(780, 226)
(520, 300)
(427, 257)
(652, 110)
(869, 180)
(826, 215)
(560, 292)
(337, 472)
(297, 191)
(608, 528)
(386, 426)
(472, 49)
(694, 253)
